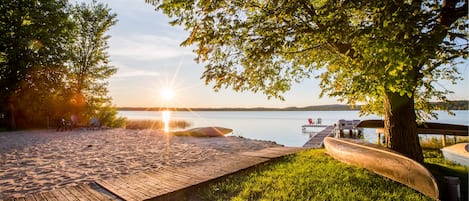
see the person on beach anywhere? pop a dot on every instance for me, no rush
(63, 125)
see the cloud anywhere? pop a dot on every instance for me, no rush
(147, 47)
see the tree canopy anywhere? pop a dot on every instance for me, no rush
(385, 54)
(89, 66)
(49, 53)
(33, 48)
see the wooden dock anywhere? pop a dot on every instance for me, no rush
(314, 126)
(80, 192)
(162, 184)
(317, 141)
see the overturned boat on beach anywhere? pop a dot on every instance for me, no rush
(385, 162)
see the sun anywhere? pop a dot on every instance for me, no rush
(167, 93)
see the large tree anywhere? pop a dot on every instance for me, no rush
(386, 54)
(89, 66)
(33, 34)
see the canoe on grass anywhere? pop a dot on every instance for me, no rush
(204, 132)
(385, 162)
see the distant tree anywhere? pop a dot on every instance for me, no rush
(33, 37)
(386, 54)
(89, 66)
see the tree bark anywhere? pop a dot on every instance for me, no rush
(11, 114)
(400, 125)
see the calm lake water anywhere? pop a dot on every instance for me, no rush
(283, 127)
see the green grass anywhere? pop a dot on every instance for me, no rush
(307, 175)
(439, 167)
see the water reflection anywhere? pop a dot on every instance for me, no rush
(166, 117)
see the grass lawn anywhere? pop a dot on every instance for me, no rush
(307, 175)
(440, 168)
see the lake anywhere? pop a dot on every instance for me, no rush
(283, 127)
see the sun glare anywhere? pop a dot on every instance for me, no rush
(166, 116)
(167, 93)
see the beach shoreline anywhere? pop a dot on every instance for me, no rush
(35, 161)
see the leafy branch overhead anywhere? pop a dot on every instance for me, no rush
(365, 47)
(386, 54)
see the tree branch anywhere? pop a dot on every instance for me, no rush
(449, 12)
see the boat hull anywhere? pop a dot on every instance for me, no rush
(384, 162)
(457, 153)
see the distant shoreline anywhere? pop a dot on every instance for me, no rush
(453, 105)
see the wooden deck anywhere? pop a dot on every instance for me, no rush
(314, 126)
(317, 141)
(79, 192)
(164, 183)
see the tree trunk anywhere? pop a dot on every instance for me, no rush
(11, 114)
(400, 125)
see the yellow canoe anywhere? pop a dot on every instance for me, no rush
(385, 162)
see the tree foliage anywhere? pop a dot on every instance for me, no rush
(386, 54)
(53, 61)
(89, 66)
(33, 56)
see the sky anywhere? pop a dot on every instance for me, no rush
(146, 51)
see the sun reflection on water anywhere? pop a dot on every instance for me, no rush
(166, 117)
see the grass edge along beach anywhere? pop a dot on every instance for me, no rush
(313, 175)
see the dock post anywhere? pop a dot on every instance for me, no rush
(378, 138)
(443, 140)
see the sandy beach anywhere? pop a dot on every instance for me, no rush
(32, 161)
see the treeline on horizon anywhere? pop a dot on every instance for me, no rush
(452, 105)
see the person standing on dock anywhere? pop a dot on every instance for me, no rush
(310, 121)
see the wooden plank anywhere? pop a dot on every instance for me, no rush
(49, 196)
(151, 184)
(164, 177)
(165, 182)
(129, 188)
(314, 125)
(265, 153)
(182, 176)
(133, 183)
(178, 182)
(63, 195)
(95, 195)
(30, 197)
(317, 140)
(147, 185)
(136, 183)
(58, 196)
(72, 190)
(116, 189)
(79, 193)
(67, 195)
(156, 183)
(184, 172)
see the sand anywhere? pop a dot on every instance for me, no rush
(33, 161)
